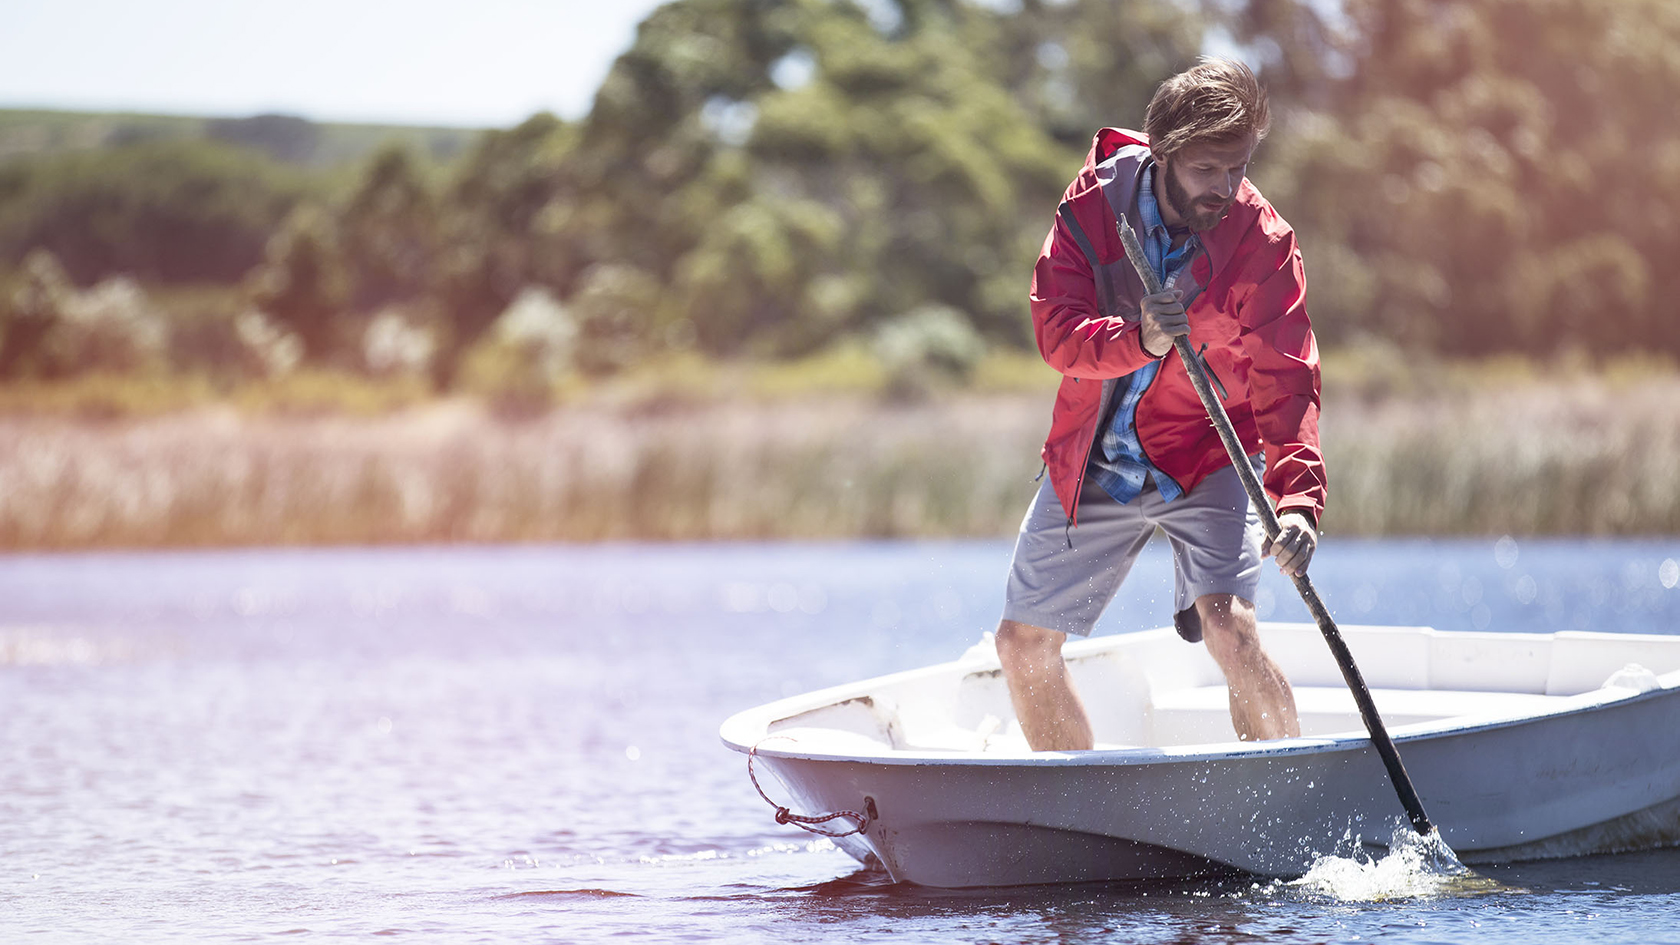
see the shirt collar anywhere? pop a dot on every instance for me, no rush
(1149, 209)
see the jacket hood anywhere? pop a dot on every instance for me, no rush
(1220, 241)
(1109, 140)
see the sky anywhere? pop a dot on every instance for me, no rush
(490, 63)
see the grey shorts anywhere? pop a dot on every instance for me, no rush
(1062, 579)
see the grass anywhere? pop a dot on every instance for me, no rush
(812, 450)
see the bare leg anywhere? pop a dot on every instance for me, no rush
(1262, 705)
(1052, 717)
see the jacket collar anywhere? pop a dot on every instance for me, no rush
(1123, 153)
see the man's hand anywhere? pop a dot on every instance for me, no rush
(1163, 320)
(1295, 543)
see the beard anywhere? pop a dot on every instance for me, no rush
(1199, 215)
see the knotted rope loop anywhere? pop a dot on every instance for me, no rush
(807, 822)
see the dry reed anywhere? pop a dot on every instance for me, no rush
(1575, 457)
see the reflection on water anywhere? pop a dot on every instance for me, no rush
(481, 744)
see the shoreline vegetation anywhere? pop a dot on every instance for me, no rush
(770, 286)
(817, 451)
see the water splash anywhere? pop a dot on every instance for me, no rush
(1416, 866)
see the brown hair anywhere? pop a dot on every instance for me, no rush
(1213, 102)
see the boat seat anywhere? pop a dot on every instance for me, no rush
(1202, 714)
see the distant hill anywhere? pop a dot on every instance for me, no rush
(285, 137)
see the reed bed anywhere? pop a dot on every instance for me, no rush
(1579, 457)
(455, 473)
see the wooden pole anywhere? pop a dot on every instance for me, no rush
(1303, 584)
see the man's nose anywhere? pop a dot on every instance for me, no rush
(1227, 185)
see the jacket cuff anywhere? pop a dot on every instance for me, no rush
(1300, 507)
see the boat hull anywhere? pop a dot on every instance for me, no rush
(1599, 776)
(1492, 792)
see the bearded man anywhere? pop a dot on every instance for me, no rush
(1130, 445)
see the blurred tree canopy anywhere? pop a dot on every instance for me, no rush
(160, 211)
(1489, 177)
(767, 177)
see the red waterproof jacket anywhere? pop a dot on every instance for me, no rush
(1246, 304)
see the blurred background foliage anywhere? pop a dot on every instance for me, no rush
(842, 182)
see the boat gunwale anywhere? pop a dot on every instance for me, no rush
(761, 717)
(1211, 751)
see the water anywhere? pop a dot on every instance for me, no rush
(519, 744)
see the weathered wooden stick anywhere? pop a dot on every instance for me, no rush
(1257, 495)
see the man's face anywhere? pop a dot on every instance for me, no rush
(1202, 181)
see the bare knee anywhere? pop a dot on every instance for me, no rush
(1023, 648)
(1228, 627)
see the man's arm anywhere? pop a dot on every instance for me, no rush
(1074, 337)
(1284, 392)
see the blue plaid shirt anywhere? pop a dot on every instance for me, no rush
(1120, 466)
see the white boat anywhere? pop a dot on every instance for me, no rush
(1521, 746)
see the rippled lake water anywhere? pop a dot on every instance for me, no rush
(519, 744)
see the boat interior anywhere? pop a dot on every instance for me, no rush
(1152, 690)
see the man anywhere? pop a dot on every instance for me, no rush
(1130, 445)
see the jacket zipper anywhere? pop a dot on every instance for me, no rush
(1096, 436)
(1102, 413)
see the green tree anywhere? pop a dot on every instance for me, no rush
(794, 170)
(111, 327)
(28, 312)
(1085, 64)
(303, 286)
(1491, 177)
(283, 137)
(389, 232)
(494, 226)
(164, 211)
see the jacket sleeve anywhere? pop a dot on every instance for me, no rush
(1073, 335)
(1283, 379)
